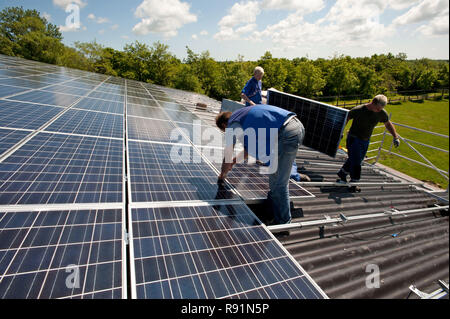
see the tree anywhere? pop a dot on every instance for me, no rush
(26, 34)
(306, 80)
(275, 72)
(341, 77)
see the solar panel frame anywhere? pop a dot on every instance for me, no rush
(245, 257)
(324, 124)
(11, 137)
(22, 115)
(85, 169)
(40, 249)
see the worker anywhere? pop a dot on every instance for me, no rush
(365, 118)
(252, 92)
(252, 95)
(265, 119)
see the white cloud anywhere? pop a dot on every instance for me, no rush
(241, 16)
(424, 11)
(204, 33)
(114, 27)
(102, 31)
(164, 17)
(340, 27)
(47, 16)
(401, 4)
(72, 28)
(432, 13)
(195, 37)
(125, 37)
(98, 20)
(294, 5)
(64, 3)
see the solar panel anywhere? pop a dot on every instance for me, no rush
(65, 164)
(6, 90)
(89, 123)
(25, 115)
(324, 124)
(57, 169)
(248, 180)
(40, 250)
(100, 105)
(153, 130)
(49, 98)
(219, 251)
(9, 138)
(155, 176)
(146, 111)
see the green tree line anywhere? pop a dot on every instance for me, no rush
(25, 33)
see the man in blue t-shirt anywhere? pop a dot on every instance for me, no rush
(252, 92)
(276, 136)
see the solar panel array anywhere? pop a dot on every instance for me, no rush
(324, 124)
(106, 193)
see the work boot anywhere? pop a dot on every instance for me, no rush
(354, 189)
(342, 177)
(282, 234)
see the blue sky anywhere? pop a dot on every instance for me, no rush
(287, 28)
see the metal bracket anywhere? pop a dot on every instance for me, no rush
(343, 217)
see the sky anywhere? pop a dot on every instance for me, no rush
(286, 28)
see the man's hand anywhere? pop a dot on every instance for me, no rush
(396, 142)
(226, 167)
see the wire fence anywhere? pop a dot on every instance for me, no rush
(350, 101)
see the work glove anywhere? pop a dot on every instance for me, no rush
(396, 142)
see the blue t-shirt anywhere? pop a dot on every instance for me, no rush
(260, 116)
(253, 90)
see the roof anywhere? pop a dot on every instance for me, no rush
(409, 250)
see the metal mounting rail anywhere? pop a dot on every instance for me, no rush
(344, 219)
(337, 184)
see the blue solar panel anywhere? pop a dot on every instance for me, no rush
(25, 115)
(324, 124)
(153, 130)
(142, 101)
(57, 169)
(43, 97)
(146, 111)
(218, 251)
(89, 123)
(40, 250)
(20, 82)
(6, 90)
(155, 177)
(107, 96)
(9, 138)
(100, 105)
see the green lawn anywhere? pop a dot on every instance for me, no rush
(431, 116)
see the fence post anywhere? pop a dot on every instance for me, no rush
(382, 141)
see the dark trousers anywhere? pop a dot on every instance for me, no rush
(357, 150)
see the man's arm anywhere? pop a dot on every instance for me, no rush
(246, 99)
(391, 128)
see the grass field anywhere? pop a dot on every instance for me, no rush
(427, 115)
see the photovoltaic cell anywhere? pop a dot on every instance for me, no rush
(107, 96)
(146, 111)
(67, 89)
(211, 252)
(9, 138)
(43, 97)
(20, 82)
(6, 90)
(100, 105)
(25, 115)
(203, 135)
(249, 180)
(40, 250)
(88, 123)
(324, 124)
(179, 116)
(153, 130)
(160, 172)
(63, 169)
(141, 101)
